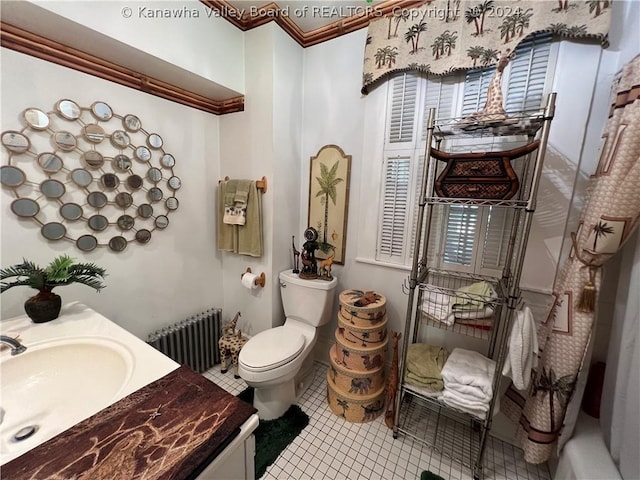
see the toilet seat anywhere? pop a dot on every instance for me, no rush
(271, 349)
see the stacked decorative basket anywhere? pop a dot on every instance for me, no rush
(356, 379)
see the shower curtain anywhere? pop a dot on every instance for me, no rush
(609, 217)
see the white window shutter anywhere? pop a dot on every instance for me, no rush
(496, 240)
(403, 106)
(460, 235)
(475, 89)
(528, 74)
(394, 208)
(440, 93)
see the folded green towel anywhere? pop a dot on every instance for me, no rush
(432, 384)
(473, 297)
(424, 364)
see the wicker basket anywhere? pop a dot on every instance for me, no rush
(361, 337)
(352, 382)
(360, 359)
(354, 408)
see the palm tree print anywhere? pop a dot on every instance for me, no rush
(345, 406)
(397, 17)
(489, 55)
(475, 53)
(562, 6)
(561, 388)
(444, 43)
(558, 28)
(598, 6)
(328, 181)
(484, 8)
(413, 35)
(521, 19)
(473, 15)
(601, 230)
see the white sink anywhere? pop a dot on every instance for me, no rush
(57, 383)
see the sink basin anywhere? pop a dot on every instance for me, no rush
(56, 384)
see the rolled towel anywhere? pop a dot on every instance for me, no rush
(471, 368)
(523, 349)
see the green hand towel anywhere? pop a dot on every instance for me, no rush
(242, 239)
(480, 293)
(230, 187)
(241, 197)
(424, 364)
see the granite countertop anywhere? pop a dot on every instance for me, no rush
(169, 429)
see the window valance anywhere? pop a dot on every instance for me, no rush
(447, 35)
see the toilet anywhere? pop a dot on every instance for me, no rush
(277, 362)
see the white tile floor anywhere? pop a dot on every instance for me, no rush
(332, 448)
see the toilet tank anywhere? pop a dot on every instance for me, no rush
(309, 301)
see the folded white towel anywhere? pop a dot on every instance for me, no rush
(468, 367)
(523, 349)
(437, 298)
(470, 392)
(462, 400)
(437, 311)
(479, 410)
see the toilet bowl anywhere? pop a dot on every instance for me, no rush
(278, 363)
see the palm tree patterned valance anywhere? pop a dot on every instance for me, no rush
(447, 35)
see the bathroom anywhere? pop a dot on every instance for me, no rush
(296, 100)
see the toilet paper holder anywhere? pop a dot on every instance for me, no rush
(259, 280)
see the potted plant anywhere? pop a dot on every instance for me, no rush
(62, 270)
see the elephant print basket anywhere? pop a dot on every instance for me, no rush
(357, 409)
(354, 383)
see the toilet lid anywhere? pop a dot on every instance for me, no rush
(272, 348)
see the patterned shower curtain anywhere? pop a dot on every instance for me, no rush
(610, 215)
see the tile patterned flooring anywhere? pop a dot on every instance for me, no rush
(334, 449)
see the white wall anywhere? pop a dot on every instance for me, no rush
(178, 273)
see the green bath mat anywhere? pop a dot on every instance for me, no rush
(273, 436)
(427, 475)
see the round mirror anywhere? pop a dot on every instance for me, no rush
(65, 141)
(154, 174)
(174, 183)
(25, 207)
(11, 176)
(171, 203)
(68, 109)
(93, 158)
(52, 188)
(86, 243)
(162, 222)
(143, 235)
(118, 244)
(143, 154)
(81, 177)
(97, 199)
(120, 139)
(36, 118)
(15, 142)
(93, 133)
(101, 111)
(155, 194)
(110, 181)
(124, 200)
(53, 231)
(131, 123)
(50, 162)
(145, 210)
(98, 222)
(167, 161)
(71, 211)
(154, 141)
(134, 182)
(122, 162)
(125, 222)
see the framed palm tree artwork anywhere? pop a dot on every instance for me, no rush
(329, 200)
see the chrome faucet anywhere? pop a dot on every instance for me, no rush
(16, 346)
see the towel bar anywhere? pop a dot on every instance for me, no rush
(260, 184)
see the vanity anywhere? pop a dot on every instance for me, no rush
(89, 398)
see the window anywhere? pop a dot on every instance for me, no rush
(471, 237)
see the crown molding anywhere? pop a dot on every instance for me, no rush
(269, 13)
(23, 41)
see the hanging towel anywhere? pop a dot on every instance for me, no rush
(523, 349)
(236, 198)
(242, 239)
(473, 297)
(424, 364)
(469, 372)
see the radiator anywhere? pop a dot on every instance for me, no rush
(193, 341)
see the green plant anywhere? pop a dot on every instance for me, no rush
(61, 271)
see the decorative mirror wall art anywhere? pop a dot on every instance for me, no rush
(89, 175)
(328, 201)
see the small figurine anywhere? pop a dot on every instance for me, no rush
(309, 266)
(230, 328)
(296, 255)
(325, 267)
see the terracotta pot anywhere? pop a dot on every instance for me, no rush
(43, 307)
